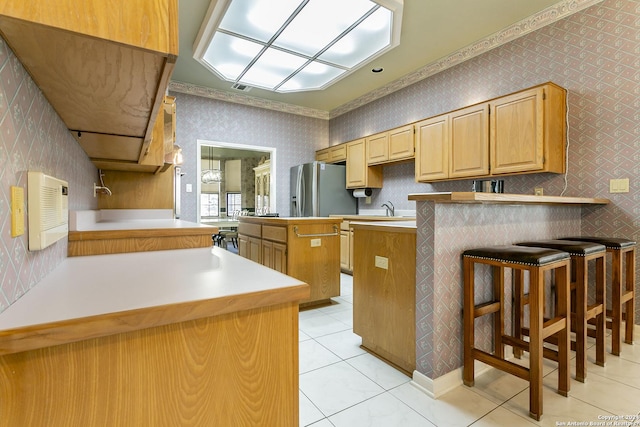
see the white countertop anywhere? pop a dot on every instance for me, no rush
(82, 287)
(139, 224)
(126, 219)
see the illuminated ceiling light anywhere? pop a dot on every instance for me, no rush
(295, 45)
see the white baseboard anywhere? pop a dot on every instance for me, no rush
(435, 388)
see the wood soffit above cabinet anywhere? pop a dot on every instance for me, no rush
(106, 75)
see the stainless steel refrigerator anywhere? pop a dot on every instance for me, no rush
(319, 189)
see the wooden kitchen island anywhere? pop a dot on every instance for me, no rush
(190, 337)
(305, 248)
(450, 223)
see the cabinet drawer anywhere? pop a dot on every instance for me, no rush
(274, 233)
(249, 229)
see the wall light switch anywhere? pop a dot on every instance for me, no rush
(315, 243)
(382, 262)
(619, 185)
(17, 211)
(189, 188)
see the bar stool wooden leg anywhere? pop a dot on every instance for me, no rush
(580, 319)
(563, 310)
(601, 318)
(518, 309)
(536, 319)
(468, 371)
(616, 301)
(498, 317)
(628, 300)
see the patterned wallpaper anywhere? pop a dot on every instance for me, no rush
(595, 54)
(32, 137)
(295, 138)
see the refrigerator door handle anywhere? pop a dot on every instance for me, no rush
(299, 199)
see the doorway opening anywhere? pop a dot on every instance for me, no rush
(234, 179)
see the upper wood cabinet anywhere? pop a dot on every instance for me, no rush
(519, 133)
(334, 154)
(469, 142)
(390, 146)
(432, 149)
(105, 74)
(359, 174)
(528, 131)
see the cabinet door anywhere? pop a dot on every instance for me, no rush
(267, 253)
(344, 250)
(378, 148)
(359, 175)
(279, 257)
(338, 153)
(401, 143)
(254, 249)
(351, 250)
(356, 164)
(432, 149)
(469, 135)
(517, 132)
(322, 155)
(243, 246)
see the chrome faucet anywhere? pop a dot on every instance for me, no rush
(391, 210)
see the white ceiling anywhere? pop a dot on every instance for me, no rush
(435, 34)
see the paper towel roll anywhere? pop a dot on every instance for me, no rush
(364, 192)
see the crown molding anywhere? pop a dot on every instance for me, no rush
(243, 99)
(534, 22)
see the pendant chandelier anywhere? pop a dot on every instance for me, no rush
(211, 175)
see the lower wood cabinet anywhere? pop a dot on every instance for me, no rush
(305, 248)
(384, 287)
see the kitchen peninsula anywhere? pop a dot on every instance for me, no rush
(448, 224)
(180, 337)
(306, 248)
(111, 231)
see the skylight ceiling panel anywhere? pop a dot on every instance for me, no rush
(229, 55)
(313, 76)
(370, 36)
(319, 23)
(258, 19)
(272, 68)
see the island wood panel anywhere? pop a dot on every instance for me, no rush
(319, 266)
(384, 299)
(232, 369)
(103, 246)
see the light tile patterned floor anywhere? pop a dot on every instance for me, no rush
(341, 385)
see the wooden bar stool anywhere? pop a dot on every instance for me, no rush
(536, 261)
(623, 260)
(581, 312)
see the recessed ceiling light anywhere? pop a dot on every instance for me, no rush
(377, 70)
(295, 45)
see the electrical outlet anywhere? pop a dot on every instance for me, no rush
(538, 191)
(382, 262)
(316, 243)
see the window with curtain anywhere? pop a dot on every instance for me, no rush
(234, 203)
(209, 205)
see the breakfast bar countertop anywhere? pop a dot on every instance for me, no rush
(504, 198)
